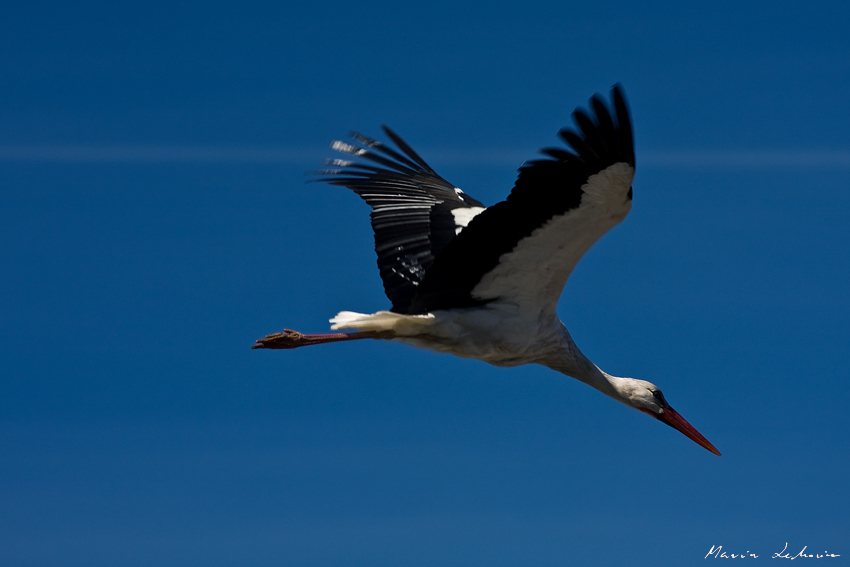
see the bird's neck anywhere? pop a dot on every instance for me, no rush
(571, 361)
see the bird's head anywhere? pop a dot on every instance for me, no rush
(647, 397)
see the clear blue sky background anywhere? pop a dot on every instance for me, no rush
(154, 221)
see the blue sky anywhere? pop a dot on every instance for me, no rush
(154, 221)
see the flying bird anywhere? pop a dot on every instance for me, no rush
(483, 282)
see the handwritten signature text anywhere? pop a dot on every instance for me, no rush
(717, 552)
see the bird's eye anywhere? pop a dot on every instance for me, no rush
(659, 396)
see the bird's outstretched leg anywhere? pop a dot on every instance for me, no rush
(293, 339)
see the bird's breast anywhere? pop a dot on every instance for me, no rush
(496, 334)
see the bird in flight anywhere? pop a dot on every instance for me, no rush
(484, 282)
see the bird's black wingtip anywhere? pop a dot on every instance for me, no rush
(624, 122)
(601, 133)
(618, 94)
(389, 131)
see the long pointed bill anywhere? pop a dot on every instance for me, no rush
(672, 418)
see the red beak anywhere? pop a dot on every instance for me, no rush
(673, 419)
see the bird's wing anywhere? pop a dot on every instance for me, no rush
(415, 212)
(521, 251)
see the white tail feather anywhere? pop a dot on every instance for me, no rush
(381, 321)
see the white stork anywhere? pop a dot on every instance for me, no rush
(483, 282)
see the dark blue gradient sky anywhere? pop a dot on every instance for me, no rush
(154, 221)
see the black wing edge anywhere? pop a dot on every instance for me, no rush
(392, 168)
(598, 141)
(411, 208)
(544, 188)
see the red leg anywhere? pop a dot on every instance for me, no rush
(293, 339)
